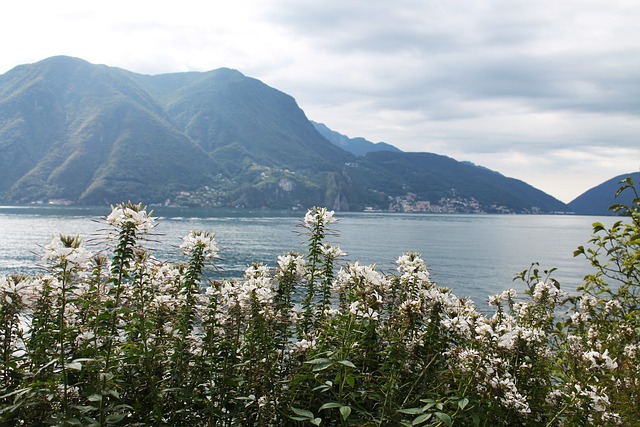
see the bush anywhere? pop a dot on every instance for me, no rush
(127, 339)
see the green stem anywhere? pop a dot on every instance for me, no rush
(415, 383)
(560, 412)
(61, 332)
(123, 254)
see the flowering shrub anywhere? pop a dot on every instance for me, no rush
(118, 337)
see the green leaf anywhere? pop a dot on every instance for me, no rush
(316, 421)
(318, 361)
(116, 418)
(330, 405)
(350, 380)
(347, 363)
(411, 411)
(446, 419)
(428, 406)
(321, 366)
(303, 413)
(421, 419)
(462, 403)
(90, 422)
(345, 411)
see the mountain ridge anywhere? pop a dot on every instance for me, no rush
(94, 134)
(357, 146)
(598, 199)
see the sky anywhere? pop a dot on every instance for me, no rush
(545, 91)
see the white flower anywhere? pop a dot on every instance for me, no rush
(85, 337)
(292, 262)
(504, 296)
(364, 277)
(303, 345)
(65, 249)
(599, 399)
(467, 359)
(612, 306)
(318, 217)
(8, 286)
(588, 302)
(410, 263)
(508, 339)
(483, 330)
(358, 310)
(522, 309)
(544, 290)
(257, 271)
(332, 251)
(631, 350)
(600, 360)
(263, 401)
(331, 312)
(409, 307)
(579, 317)
(257, 286)
(354, 307)
(200, 240)
(130, 214)
(17, 291)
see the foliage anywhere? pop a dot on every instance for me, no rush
(118, 337)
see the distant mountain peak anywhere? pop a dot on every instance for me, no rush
(358, 146)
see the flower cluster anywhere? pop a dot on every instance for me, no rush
(544, 291)
(506, 296)
(16, 290)
(202, 241)
(131, 215)
(291, 262)
(333, 252)
(67, 250)
(318, 217)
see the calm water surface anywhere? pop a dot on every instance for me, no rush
(475, 255)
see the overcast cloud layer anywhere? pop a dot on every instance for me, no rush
(546, 91)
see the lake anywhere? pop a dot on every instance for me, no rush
(475, 255)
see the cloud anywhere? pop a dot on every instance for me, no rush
(501, 82)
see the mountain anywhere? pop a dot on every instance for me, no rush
(358, 146)
(596, 201)
(85, 133)
(444, 181)
(75, 132)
